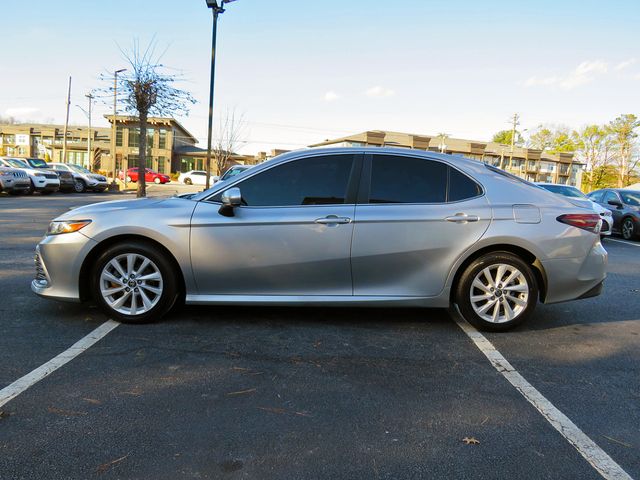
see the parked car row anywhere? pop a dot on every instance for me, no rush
(618, 208)
(29, 175)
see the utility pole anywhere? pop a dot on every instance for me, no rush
(515, 122)
(66, 125)
(89, 151)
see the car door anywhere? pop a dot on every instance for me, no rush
(414, 218)
(199, 178)
(291, 236)
(616, 212)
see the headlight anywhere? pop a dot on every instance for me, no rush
(60, 227)
(6, 174)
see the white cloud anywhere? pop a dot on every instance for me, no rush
(331, 96)
(625, 64)
(22, 112)
(379, 92)
(581, 75)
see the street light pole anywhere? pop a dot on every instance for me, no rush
(113, 127)
(215, 10)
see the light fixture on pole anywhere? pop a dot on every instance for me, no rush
(114, 185)
(216, 9)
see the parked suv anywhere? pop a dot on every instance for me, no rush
(625, 207)
(13, 181)
(150, 176)
(83, 178)
(41, 181)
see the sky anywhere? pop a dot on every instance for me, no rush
(302, 71)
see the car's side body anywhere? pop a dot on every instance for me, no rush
(91, 181)
(196, 177)
(578, 198)
(355, 252)
(150, 176)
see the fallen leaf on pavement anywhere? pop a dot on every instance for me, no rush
(92, 400)
(620, 442)
(471, 441)
(105, 466)
(242, 392)
(3, 414)
(273, 409)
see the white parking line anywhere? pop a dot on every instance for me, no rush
(623, 241)
(10, 392)
(592, 453)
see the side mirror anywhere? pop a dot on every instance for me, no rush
(231, 198)
(615, 203)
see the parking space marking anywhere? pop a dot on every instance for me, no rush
(10, 392)
(591, 452)
(623, 241)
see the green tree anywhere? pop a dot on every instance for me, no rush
(594, 147)
(504, 137)
(552, 139)
(624, 135)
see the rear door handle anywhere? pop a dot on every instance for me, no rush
(462, 218)
(332, 220)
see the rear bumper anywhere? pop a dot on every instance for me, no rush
(574, 278)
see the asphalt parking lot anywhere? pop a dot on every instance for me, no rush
(265, 393)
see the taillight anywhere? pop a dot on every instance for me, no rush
(586, 221)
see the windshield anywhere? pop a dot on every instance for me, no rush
(17, 163)
(37, 163)
(232, 172)
(565, 190)
(631, 198)
(79, 169)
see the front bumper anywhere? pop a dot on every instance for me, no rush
(574, 278)
(58, 262)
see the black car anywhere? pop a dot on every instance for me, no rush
(67, 181)
(626, 214)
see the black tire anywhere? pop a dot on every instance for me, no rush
(169, 285)
(187, 181)
(79, 186)
(628, 229)
(464, 291)
(32, 188)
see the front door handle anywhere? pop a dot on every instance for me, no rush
(462, 218)
(332, 220)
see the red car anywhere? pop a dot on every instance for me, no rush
(150, 176)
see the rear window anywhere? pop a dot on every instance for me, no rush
(509, 175)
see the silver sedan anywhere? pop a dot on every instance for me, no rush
(339, 226)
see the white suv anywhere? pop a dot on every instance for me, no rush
(41, 181)
(85, 180)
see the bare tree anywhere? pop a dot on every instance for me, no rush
(147, 89)
(595, 148)
(230, 132)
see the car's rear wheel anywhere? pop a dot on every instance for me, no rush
(497, 291)
(188, 181)
(32, 188)
(628, 229)
(133, 282)
(157, 180)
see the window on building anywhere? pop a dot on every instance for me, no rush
(397, 179)
(132, 161)
(151, 133)
(162, 163)
(119, 134)
(309, 181)
(149, 161)
(134, 137)
(162, 138)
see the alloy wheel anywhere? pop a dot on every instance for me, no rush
(131, 284)
(499, 293)
(627, 229)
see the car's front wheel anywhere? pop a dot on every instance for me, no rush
(157, 180)
(497, 291)
(133, 282)
(187, 181)
(79, 186)
(628, 229)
